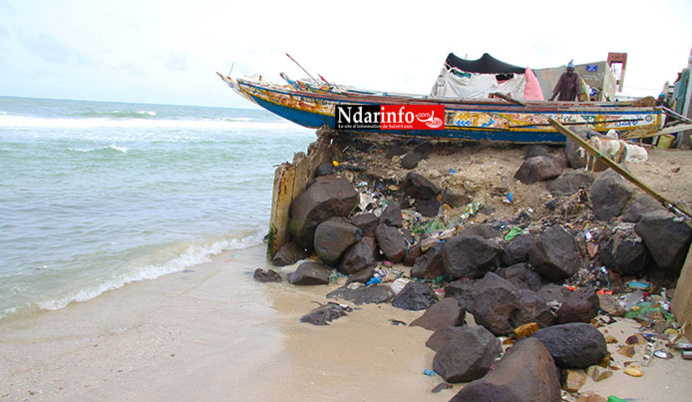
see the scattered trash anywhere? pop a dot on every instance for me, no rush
(397, 322)
(641, 285)
(398, 285)
(428, 372)
(634, 370)
(663, 354)
(514, 232)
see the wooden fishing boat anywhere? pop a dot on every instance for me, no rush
(502, 119)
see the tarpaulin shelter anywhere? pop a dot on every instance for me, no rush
(478, 79)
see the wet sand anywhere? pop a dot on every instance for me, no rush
(213, 333)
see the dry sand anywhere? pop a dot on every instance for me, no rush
(216, 334)
(213, 333)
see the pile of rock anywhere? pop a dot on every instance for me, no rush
(601, 231)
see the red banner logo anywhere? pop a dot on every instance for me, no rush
(412, 117)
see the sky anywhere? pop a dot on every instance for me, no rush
(167, 52)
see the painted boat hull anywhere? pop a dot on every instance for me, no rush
(464, 120)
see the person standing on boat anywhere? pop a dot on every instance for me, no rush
(568, 86)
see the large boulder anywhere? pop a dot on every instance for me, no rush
(576, 345)
(410, 160)
(522, 276)
(540, 168)
(429, 265)
(367, 223)
(325, 197)
(462, 290)
(570, 182)
(439, 338)
(418, 187)
(324, 314)
(572, 154)
(470, 256)
(415, 296)
(580, 306)
(640, 205)
(624, 251)
(526, 373)
(533, 308)
(392, 215)
(363, 295)
(554, 254)
(609, 195)
(359, 256)
(484, 230)
(309, 273)
(332, 238)
(288, 254)
(495, 304)
(666, 239)
(447, 312)
(468, 355)
(517, 250)
(391, 242)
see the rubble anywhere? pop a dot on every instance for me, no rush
(546, 278)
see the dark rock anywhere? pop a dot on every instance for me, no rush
(483, 230)
(467, 356)
(611, 305)
(391, 242)
(415, 296)
(522, 276)
(362, 276)
(576, 345)
(570, 182)
(470, 256)
(309, 273)
(666, 240)
(624, 252)
(418, 187)
(439, 338)
(554, 254)
(363, 295)
(367, 223)
(540, 168)
(445, 313)
(640, 206)
(324, 314)
(533, 308)
(454, 200)
(391, 216)
(429, 265)
(517, 250)
(332, 238)
(571, 147)
(526, 373)
(495, 304)
(609, 195)
(325, 197)
(359, 256)
(462, 290)
(428, 207)
(414, 252)
(324, 169)
(288, 254)
(410, 160)
(555, 292)
(537, 150)
(266, 275)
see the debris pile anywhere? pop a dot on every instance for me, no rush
(542, 280)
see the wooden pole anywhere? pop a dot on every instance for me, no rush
(622, 172)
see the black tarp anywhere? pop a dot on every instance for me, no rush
(487, 64)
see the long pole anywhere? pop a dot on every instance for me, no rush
(622, 172)
(301, 67)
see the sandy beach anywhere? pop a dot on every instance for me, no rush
(213, 333)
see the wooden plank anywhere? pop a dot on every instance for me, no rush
(622, 172)
(282, 196)
(681, 305)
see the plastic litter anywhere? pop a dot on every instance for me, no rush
(428, 372)
(514, 232)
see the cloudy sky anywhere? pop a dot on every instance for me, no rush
(168, 51)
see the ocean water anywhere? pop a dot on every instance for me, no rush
(95, 195)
